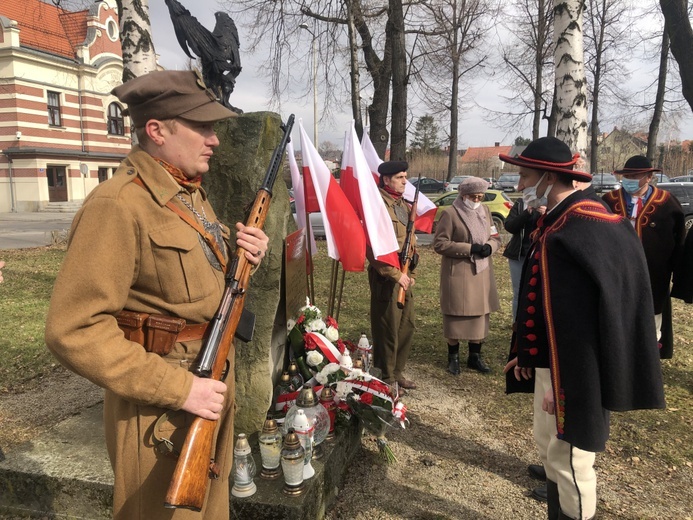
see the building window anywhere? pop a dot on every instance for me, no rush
(103, 174)
(112, 29)
(54, 109)
(116, 125)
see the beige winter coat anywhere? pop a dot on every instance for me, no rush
(463, 293)
(128, 251)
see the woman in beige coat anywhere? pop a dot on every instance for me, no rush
(466, 238)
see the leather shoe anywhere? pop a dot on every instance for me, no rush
(537, 471)
(539, 493)
(405, 383)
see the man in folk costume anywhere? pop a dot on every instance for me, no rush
(582, 341)
(392, 328)
(658, 220)
(147, 243)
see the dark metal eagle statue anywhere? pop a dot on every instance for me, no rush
(217, 50)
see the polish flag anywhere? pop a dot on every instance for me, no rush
(344, 234)
(299, 196)
(357, 182)
(425, 209)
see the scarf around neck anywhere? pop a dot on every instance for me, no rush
(392, 193)
(479, 230)
(191, 185)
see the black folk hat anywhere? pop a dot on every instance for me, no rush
(167, 94)
(548, 154)
(637, 164)
(392, 167)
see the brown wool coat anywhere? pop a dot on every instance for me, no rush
(463, 293)
(128, 251)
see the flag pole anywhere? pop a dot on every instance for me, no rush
(310, 287)
(339, 300)
(333, 287)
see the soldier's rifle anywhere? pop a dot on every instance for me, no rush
(196, 465)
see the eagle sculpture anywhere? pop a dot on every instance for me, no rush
(217, 50)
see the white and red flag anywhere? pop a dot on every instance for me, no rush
(299, 197)
(344, 234)
(356, 180)
(425, 209)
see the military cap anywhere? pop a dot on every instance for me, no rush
(548, 154)
(637, 164)
(472, 185)
(167, 94)
(392, 167)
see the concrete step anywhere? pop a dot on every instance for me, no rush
(66, 474)
(62, 207)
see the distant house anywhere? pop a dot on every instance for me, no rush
(61, 131)
(483, 161)
(617, 147)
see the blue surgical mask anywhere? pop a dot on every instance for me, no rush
(630, 185)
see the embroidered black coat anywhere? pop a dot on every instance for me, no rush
(586, 314)
(683, 275)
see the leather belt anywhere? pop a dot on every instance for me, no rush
(192, 332)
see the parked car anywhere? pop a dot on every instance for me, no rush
(498, 203)
(455, 181)
(682, 178)
(316, 222)
(684, 192)
(508, 182)
(660, 177)
(603, 182)
(429, 185)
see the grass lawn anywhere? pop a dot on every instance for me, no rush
(30, 273)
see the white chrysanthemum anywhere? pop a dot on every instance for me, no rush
(341, 390)
(314, 358)
(316, 325)
(332, 334)
(356, 373)
(321, 378)
(331, 368)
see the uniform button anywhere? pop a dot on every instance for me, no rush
(531, 309)
(536, 255)
(531, 337)
(533, 281)
(532, 296)
(131, 171)
(535, 269)
(533, 351)
(529, 324)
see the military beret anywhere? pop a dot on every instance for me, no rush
(472, 185)
(392, 167)
(167, 94)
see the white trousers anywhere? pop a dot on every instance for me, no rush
(569, 467)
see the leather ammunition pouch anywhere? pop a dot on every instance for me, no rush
(157, 333)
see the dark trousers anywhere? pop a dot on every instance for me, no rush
(392, 328)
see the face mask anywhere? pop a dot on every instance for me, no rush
(529, 195)
(470, 204)
(630, 185)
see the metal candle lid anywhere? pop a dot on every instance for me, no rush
(291, 441)
(242, 446)
(286, 377)
(270, 426)
(327, 394)
(307, 398)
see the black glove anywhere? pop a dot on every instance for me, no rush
(482, 250)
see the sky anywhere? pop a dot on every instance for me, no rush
(252, 86)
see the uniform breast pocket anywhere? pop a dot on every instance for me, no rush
(184, 272)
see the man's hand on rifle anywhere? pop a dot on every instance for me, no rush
(253, 240)
(405, 281)
(206, 398)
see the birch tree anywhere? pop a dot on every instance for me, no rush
(139, 56)
(571, 87)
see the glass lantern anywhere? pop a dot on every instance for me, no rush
(270, 440)
(292, 457)
(365, 350)
(308, 401)
(327, 402)
(243, 469)
(304, 430)
(295, 376)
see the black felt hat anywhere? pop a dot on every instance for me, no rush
(548, 154)
(392, 167)
(637, 164)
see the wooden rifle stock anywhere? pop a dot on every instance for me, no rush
(188, 486)
(408, 247)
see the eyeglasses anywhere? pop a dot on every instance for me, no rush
(476, 197)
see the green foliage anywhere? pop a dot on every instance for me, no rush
(522, 141)
(426, 138)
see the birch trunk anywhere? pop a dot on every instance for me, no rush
(571, 87)
(139, 56)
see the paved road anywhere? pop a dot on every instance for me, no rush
(31, 229)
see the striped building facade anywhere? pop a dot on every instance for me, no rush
(61, 131)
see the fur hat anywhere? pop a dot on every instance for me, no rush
(472, 185)
(548, 154)
(167, 94)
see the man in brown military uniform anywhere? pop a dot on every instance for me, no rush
(392, 328)
(148, 241)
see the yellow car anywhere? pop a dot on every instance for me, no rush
(498, 203)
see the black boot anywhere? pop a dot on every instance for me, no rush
(454, 359)
(474, 360)
(554, 505)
